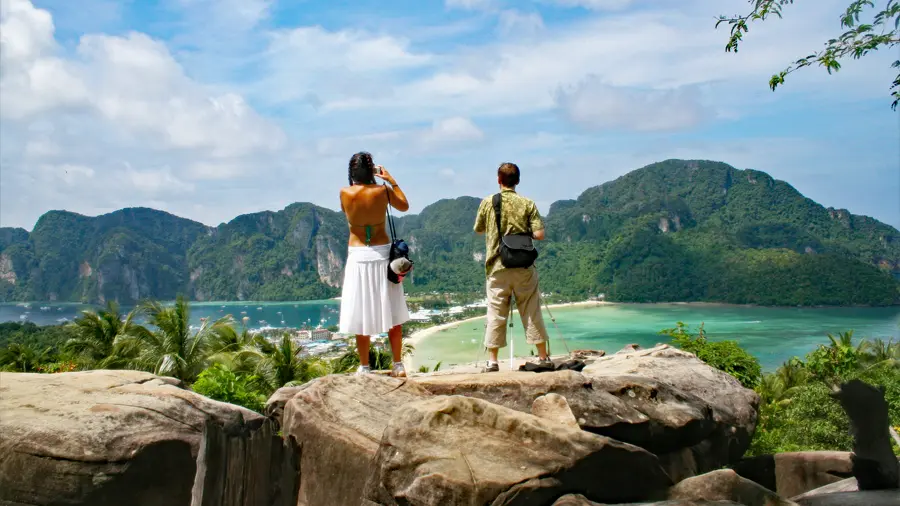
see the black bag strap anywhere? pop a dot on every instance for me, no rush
(390, 216)
(498, 206)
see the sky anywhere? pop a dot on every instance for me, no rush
(209, 109)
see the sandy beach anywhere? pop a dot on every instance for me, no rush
(419, 335)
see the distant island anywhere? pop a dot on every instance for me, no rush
(677, 230)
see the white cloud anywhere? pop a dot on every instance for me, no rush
(595, 105)
(519, 23)
(319, 66)
(452, 130)
(114, 101)
(471, 5)
(604, 5)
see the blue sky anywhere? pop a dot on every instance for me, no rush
(213, 108)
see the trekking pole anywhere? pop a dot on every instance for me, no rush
(552, 319)
(512, 342)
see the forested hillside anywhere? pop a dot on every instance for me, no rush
(675, 230)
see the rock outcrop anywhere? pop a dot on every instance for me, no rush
(112, 438)
(694, 417)
(792, 474)
(462, 450)
(336, 423)
(734, 409)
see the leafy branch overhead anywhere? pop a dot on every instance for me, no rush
(881, 31)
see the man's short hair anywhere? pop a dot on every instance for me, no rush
(508, 174)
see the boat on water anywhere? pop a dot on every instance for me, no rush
(23, 316)
(45, 308)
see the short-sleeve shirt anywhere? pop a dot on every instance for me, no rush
(518, 215)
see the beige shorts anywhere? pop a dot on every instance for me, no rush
(523, 285)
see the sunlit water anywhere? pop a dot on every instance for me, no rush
(771, 334)
(258, 314)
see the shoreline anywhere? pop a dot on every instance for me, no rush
(422, 334)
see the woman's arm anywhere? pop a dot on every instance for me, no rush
(395, 194)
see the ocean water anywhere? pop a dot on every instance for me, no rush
(258, 314)
(771, 334)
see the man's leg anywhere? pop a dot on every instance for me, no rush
(528, 301)
(362, 347)
(498, 294)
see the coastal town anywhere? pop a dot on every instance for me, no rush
(327, 342)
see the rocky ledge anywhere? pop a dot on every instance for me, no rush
(639, 425)
(113, 438)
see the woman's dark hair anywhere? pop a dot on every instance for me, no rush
(508, 174)
(362, 169)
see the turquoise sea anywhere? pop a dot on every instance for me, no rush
(771, 334)
(258, 314)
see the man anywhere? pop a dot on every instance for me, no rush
(518, 215)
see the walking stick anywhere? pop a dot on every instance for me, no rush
(552, 319)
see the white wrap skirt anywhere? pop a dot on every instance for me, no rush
(370, 303)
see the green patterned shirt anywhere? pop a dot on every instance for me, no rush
(517, 215)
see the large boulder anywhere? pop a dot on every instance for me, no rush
(734, 409)
(336, 424)
(462, 450)
(794, 473)
(650, 403)
(725, 485)
(108, 438)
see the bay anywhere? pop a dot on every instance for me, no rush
(771, 334)
(258, 314)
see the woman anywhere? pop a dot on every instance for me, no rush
(370, 303)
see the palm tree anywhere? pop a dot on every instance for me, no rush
(102, 338)
(226, 344)
(173, 348)
(878, 353)
(19, 357)
(282, 363)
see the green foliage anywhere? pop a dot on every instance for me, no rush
(796, 409)
(281, 363)
(173, 348)
(104, 339)
(879, 29)
(219, 383)
(725, 356)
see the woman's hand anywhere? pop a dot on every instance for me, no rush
(382, 173)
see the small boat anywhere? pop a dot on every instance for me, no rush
(263, 322)
(45, 308)
(62, 320)
(259, 308)
(23, 316)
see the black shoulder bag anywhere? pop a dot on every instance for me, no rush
(399, 249)
(516, 250)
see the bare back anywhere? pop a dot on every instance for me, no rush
(366, 208)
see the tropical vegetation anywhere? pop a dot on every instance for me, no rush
(221, 358)
(796, 410)
(868, 26)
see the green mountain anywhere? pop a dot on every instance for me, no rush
(674, 230)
